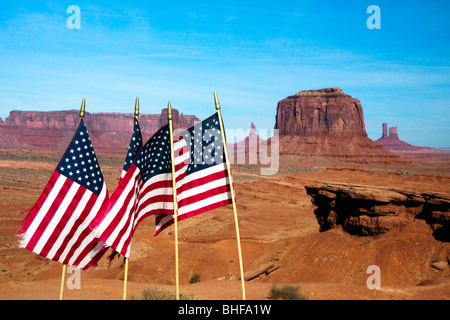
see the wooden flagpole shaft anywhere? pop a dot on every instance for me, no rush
(125, 279)
(216, 101)
(175, 204)
(61, 291)
(63, 275)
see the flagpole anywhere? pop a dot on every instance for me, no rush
(125, 278)
(175, 204)
(216, 101)
(61, 292)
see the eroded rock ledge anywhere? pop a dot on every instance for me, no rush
(373, 210)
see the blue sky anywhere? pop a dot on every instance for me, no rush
(253, 53)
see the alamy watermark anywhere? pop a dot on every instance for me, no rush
(256, 152)
(374, 20)
(374, 280)
(251, 150)
(74, 20)
(74, 281)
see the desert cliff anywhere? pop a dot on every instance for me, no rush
(53, 130)
(327, 126)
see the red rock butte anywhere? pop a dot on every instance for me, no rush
(320, 112)
(327, 124)
(393, 143)
(250, 142)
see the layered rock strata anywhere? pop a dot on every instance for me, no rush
(327, 124)
(372, 210)
(320, 112)
(393, 143)
(53, 130)
(248, 143)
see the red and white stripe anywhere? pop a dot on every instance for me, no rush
(134, 200)
(198, 192)
(57, 227)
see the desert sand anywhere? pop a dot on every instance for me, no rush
(277, 227)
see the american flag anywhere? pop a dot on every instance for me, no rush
(145, 189)
(202, 176)
(134, 148)
(57, 227)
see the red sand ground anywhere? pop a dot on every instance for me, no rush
(277, 224)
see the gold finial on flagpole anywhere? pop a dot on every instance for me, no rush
(216, 101)
(169, 114)
(136, 108)
(83, 104)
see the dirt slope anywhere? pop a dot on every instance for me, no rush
(277, 225)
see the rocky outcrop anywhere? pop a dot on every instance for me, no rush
(248, 143)
(266, 269)
(393, 143)
(373, 210)
(320, 112)
(326, 127)
(53, 130)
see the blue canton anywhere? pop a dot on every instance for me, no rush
(80, 164)
(154, 157)
(206, 145)
(135, 146)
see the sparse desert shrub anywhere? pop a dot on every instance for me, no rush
(158, 293)
(287, 292)
(195, 278)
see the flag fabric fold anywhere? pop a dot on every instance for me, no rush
(134, 148)
(202, 181)
(145, 189)
(57, 227)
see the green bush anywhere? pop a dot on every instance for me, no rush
(287, 292)
(195, 278)
(158, 293)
